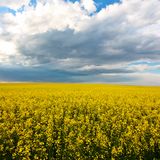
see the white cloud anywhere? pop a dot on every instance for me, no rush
(7, 48)
(139, 67)
(1, 30)
(14, 4)
(89, 5)
(57, 15)
(104, 66)
(144, 79)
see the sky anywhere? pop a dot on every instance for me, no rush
(87, 41)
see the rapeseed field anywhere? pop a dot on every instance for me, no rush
(79, 122)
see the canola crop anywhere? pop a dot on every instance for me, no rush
(79, 122)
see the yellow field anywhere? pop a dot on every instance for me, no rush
(79, 121)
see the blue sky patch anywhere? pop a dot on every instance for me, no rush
(101, 3)
(7, 10)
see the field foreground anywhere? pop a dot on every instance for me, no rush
(79, 121)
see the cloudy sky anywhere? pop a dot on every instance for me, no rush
(97, 41)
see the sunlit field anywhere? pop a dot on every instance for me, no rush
(79, 121)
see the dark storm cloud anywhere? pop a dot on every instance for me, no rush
(92, 46)
(54, 75)
(21, 74)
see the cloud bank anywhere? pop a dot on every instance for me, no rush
(73, 42)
